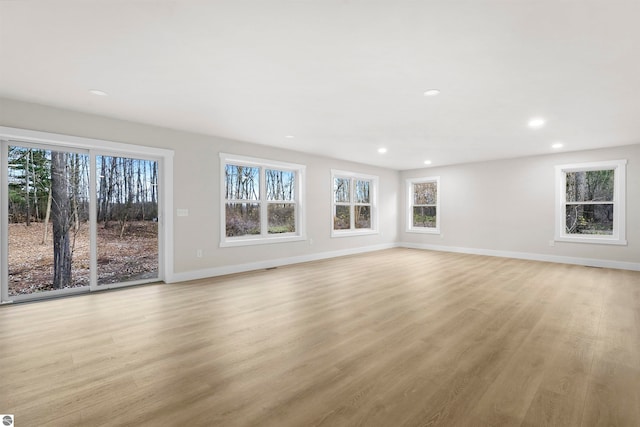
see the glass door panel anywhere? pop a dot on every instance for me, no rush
(127, 220)
(48, 221)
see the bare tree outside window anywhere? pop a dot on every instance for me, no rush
(61, 219)
(362, 205)
(242, 194)
(281, 189)
(255, 196)
(589, 202)
(49, 225)
(425, 199)
(127, 205)
(423, 205)
(352, 203)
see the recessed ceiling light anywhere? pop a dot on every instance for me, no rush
(289, 136)
(427, 162)
(557, 145)
(98, 92)
(537, 122)
(382, 150)
(431, 92)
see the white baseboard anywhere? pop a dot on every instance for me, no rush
(261, 265)
(589, 262)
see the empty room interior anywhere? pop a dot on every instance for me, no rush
(319, 213)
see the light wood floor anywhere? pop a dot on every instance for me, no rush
(393, 338)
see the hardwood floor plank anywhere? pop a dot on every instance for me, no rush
(613, 397)
(395, 337)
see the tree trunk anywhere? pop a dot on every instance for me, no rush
(154, 183)
(35, 187)
(61, 216)
(109, 191)
(102, 194)
(46, 217)
(75, 185)
(28, 195)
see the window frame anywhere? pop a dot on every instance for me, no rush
(264, 237)
(93, 147)
(618, 237)
(373, 202)
(410, 228)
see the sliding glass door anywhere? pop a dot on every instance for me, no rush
(127, 220)
(48, 220)
(76, 220)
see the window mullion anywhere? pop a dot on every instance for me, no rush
(264, 206)
(352, 200)
(607, 202)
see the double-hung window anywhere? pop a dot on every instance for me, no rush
(590, 202)
(262, 201)
(423, 205)
(353, 203)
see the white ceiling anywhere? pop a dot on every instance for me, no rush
(343, 77)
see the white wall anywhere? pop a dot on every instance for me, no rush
(501, 207)
(508, 207)
(196, 188)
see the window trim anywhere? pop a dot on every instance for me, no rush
(409, 205)
(263, 238)
(619, 195)
(373, 194)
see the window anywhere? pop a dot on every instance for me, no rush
(353, 204)
(262, 201)
(590, 202)
(423, 205)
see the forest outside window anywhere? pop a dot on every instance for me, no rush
(423, 205)
(354, 210)
(590, 202)
(262, 201)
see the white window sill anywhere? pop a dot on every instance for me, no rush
(423, 230)
(597, 240)
(351, 233)
(249, 241)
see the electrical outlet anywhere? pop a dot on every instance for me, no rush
(552, 242)
(199, 253)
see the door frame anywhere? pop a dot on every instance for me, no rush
(93, 147)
